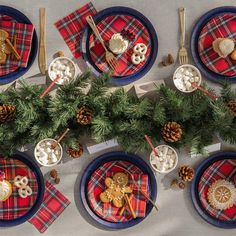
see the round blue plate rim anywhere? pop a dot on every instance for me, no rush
(20, 17)
(41, 188)
(194, 44)
(153, 36)
(194, 190)
(111, 156)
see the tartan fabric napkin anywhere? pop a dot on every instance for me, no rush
(24, 35)
(220, 26)
(15, 207)
(71, 27)
(223, 169)
(96, 186)
(115, 24)
(53, 205)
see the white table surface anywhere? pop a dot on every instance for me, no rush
(176, 216)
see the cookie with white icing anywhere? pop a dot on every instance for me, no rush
(117, 44)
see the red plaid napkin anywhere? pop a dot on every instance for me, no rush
(223, 169)
(115, 24)
(15, 207)
(53, 205)
(221, 26)
(96, 186)
(24, 34)
(71, 27)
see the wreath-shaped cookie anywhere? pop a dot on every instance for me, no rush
(116, 189)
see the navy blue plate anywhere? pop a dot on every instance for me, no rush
(21, 18)
(195, 195)
(27, 160)
(122, 11)
(114, 156)
(194, 44)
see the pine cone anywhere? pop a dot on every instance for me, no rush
(84, 116)
(232, 107)
(7, 113)
(186, 173)
(172, 132)
(76, 153)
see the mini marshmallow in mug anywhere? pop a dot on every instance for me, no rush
(45, 154)
(184, 76)
(62, 67)
(166, 161)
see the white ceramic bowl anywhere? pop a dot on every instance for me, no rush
(61, 59)
(193, 68)
(152, 155)
(58, 158)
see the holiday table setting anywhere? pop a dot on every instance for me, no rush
(124, 123)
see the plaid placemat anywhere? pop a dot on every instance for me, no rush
(96, 186)
(72, 26)
(115, 24)
(223, 169)
(221, 26)
(24, 35)
(53, 205)
(15, 206)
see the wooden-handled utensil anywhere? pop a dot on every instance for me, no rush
(42, 46)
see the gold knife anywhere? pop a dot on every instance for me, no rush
(42, 46)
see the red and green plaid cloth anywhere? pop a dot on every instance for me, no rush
(53, 205)
(72, 26)
(96, 186)
(223, 169)
(15, 207)
(24, 35)
(221, 26)
(115, 24)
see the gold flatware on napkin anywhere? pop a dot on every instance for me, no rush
(110, 58)
(183, 54)
(42, 46)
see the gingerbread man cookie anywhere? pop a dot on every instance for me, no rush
(4, 47)
(116, 189)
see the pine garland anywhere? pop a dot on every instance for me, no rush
(116, 115)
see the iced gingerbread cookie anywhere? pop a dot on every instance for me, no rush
(4, 48)
(222, 194)
(116, 189)
(5, 187)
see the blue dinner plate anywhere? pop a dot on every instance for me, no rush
(194, 44)
(195, 195)
(121, 11)
(27, 160)
(114, 156)
(21, 18)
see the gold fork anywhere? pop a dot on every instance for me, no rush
(110, 58)
(183, 54)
